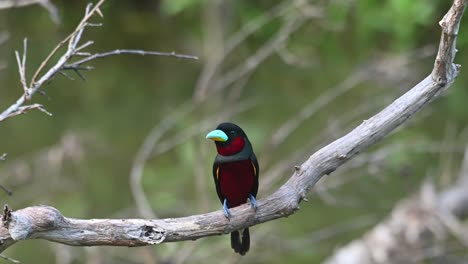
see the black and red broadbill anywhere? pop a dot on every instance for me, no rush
(235, 172)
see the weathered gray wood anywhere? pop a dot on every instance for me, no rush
(414, 225)
(43, 222)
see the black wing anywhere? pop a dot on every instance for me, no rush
(216, 180)
(254, 160)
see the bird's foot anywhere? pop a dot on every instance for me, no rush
(226, 211)
(253, 202)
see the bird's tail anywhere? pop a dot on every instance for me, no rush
(239, 245)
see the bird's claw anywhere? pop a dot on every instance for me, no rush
(226, 211)
(253, 202)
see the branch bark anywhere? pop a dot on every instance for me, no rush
(44, 222)
(414, 225)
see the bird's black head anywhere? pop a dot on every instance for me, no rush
(229, 138)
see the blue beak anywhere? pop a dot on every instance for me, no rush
(217, 135)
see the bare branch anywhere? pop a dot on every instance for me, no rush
(414, 224)
(144, 152)
(4, 36)
(63, 62)
(6, 190)
(53, 12)
(24, 109)
(22, 69)
(72, 40)
(215, 59)
(294, 13)
(382, 67)
(283, 35)
(75, 65)
(34, 86)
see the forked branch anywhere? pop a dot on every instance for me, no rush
(74, 49)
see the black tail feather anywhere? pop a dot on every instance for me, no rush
(236, 244)
(245, 242)
(240, 246)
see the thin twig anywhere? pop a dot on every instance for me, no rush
(24, 109)
(22, 68)
(144, 152)
(213, 65)
(3, 158)
(35, 86)
(74, 65)
(4, 36)
(380, 67)
(238, 72)
(67, 55)
(6, 190)
(9, 259)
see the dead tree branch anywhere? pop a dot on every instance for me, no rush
(414, 225)
(46, 4)
(44, 222)
(74, 49)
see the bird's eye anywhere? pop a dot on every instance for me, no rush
(233, 132)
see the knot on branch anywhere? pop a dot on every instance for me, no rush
(147, 234)
(23, 223)
(6, 214)
(152, 235)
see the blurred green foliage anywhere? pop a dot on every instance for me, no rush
(177, 6)
(124, 97)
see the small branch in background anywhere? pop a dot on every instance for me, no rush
(291, 24)
(24, 109)
(64, 62)
(415, 224)
(2, 158)
(213, 80)
(213, 60)
(144, 153)
(6, 190)
(383, 67)
(34, 86)
(46, 4)
(250, 64)
(30, 175)
(9, 259)
(75, 65)
(22, 68)
(4, 36)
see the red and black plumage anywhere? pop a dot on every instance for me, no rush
(235, 173)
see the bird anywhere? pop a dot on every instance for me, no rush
(235, 173)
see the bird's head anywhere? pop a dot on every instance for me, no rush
(229, 138)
